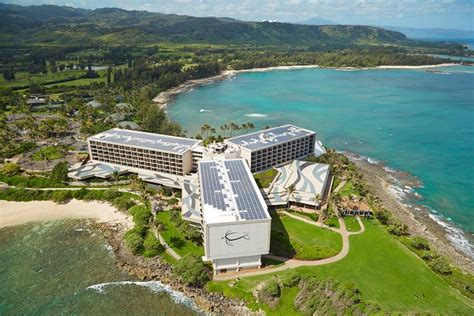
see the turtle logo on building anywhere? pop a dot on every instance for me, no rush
(234, 236)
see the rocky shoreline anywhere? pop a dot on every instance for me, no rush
(148, 269)
(417, 219)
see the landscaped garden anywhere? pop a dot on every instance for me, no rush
(50, 153)
(294, 238)
(175, 238)
(380, 267)
(352, 225)
(265, 178)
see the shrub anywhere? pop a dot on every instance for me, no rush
(11, 169)
(398, 229)
(62, 196)
(191, 270)
(60, 171)
(440, 265)
(80, 194)
(141, 215)
(177, 194)
(133, 240)
(123, 203)
(172, 201)
(111, 194)
(426, 255)
(270, 291)
(420, 243)
(383, 216)
(151, 243)
(291, 279)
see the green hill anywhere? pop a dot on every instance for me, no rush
(65, 25)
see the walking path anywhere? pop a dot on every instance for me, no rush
(168, 249)
(294, 263)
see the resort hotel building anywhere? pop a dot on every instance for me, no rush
(235, 220)
(275, 146)
(219, 192)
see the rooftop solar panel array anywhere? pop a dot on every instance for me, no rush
(246, 197)
(146, 140)
(269, 137)
(211, 186)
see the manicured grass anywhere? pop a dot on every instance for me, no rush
(351, 224)
(170, 234)
(347, 189)
(386, 273)
(265, 178)
(332, 221)
(292, 237)
(285, 303)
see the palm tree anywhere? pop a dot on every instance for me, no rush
(134, 180)
(250, 126)
(317, 200)
(205, 129)
(224, 129)
(290, 191)
(245, 127)
(233, 127)
(115, 176)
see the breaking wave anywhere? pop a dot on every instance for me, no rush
(256, 115)
(154, 286)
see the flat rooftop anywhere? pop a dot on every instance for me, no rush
(172, 144)
(309, 179)
(269, 137)
(229, 192)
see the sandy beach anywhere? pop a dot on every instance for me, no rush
(17, 213)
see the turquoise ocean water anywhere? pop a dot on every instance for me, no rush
(66, 268)
(416, 121)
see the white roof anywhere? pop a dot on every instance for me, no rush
(269, 137)
(229, 192)
(173, 144)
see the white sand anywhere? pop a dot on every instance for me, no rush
(16, 213)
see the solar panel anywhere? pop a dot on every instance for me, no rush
(160, 142)
(246, 197)
(211, 186)
(269, 137)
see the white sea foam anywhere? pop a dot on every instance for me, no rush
(256, 115)
(154, 286)
(372, 161)
(204, 110)
(454, 234)
(389, 170)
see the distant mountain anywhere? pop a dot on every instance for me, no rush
(318, 21)
(419, 33)
(20, 25)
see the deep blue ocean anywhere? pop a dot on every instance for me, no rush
(416, 121)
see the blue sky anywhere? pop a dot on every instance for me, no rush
(456, 14)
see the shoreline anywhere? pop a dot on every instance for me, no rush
(18, 213)
(385, 184)
(163, 98)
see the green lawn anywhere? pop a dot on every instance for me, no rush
(351, 224)
(295, 238)
(265, 178)
(385, 272)
(170, 233)
(347, 189)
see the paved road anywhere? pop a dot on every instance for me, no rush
(294, 263)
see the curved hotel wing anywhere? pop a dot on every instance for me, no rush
(235, 218)
(274, 146)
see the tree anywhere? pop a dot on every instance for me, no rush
(109, 75)
(62, 196)
(290, 191)
(9, 74)
(60, 171)
(11, 169)
(233, 127)
(133, 240)
(205, 129)
(317, 200)
(115, 176)
(191, 270)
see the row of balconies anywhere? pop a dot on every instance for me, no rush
(168, 169)
(134, 156)
(124, 149)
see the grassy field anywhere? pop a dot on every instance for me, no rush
(265, 178)
(351, 224)
(347, 189)
(294, 238)
(170, 233)
(383, 270)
